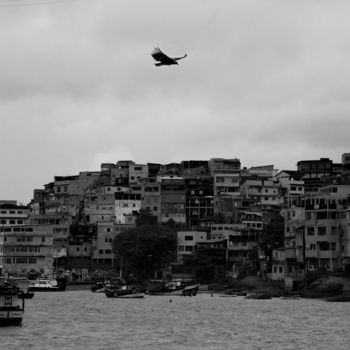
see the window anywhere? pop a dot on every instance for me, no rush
(100, 251)
(181, 248)
(32, 260)
(310, 231)
(12, 222)
(189, 248)
(108, 251)
(322, 231)
(281, 269)
(188, 238)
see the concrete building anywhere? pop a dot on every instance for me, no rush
(265, 193)
(99, 207)
(224, 166)
(199, 202)
(187, 242)
(137, 172)
(102, 250)
(151, 197)
(26, 248)
(312, 171)
(13, 214)
(126, 204)
(173, 199)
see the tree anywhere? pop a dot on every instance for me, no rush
(272, 236)
(145, 249)
(145, 217)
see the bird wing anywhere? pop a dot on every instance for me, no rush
(160, 56)
(179, 58)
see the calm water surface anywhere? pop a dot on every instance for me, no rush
(84, 320)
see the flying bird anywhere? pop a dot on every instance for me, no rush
(163, 59)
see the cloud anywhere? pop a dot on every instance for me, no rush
(264, 81)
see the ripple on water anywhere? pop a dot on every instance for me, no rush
(85, 320)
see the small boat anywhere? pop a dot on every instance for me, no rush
(173, 288)
(99, 287)
(45, 285)
(11, 313)
(25, 295)
(125, 292)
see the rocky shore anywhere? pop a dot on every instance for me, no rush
(329, 288)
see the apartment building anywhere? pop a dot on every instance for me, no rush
(27, 248)
(13, 214)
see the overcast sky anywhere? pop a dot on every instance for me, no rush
(266, 81)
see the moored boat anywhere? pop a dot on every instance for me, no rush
(11, 313)
(173, 288)
(125, 292)
(45, 285)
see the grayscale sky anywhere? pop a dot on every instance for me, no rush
(266, 81)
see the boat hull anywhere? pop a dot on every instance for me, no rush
(126, 296)
(11, 318)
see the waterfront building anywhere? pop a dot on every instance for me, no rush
(102, 250)
(187, 242)
(27, 248)
(81, 237)
(278, 265)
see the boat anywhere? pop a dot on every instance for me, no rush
(160, 287)
(125, 292)
(11, 313)
(99, 287)
(45, 285)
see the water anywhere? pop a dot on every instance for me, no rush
(85, 320)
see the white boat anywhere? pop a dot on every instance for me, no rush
(44, 285)
(11, 313)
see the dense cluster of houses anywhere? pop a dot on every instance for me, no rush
(216, 204)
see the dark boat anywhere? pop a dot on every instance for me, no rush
(99, 287)
(160, 287)
(123, 292)
(11, 313)
(25, 295)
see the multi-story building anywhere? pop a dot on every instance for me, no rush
(99, 207)
(102, 250)
(187, 242)
(27, 248)
(81, 237)
(173, 199)
(224, 166)
(191, 168)
(312, 171)
(151, 197)
(126, 204)
(199, 202)
(13, 214)
(137, 172)
(266, 193)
